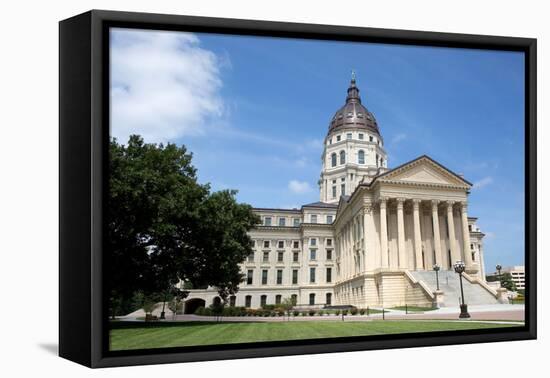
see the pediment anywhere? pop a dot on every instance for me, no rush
(424, 171)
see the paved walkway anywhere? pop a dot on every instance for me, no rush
(498, 312)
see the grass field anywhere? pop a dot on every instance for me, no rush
(137, 335)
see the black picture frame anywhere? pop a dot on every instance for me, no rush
(83, 141)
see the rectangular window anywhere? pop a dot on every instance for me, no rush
(343, 189)
(312, 299)
(251, 257)
(267, 221)
(282, 222)
(471, 246)
(296, 244)
(253, 243)
(265, 257)
(280, 244)
(264, 277)
(295, 277)
(329, 254)
(338, 138)
(348, 136)
(295, 257)
(248, 301)
(312, 275)
(266, 243)
(313, 218)
(263, 300)
(232, 300)
(371, 138)
(329, 242)
(294, 299)
(280, 256)
(296, 222)
(279, 277)
(330, 141)
(312, 241)
(329, 219)
(312, 254)
(329, 275)
(334, 192)
(249, 275)
(329, 299)
(278, 299)
(361, 136)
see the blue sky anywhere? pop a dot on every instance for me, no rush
(254, 112)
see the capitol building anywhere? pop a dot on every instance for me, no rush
(373, 237)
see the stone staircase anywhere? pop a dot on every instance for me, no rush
(474, 293)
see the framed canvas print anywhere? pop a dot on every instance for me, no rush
(234, 188)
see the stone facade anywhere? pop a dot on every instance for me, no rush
(372, 227)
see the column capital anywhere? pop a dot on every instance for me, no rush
(367, 209)
(450, 205)
(400, 202)
(463, 205)
(383, 202)
(435, 203)
(416, 203)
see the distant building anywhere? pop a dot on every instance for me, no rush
(373, 237)
(518, 275)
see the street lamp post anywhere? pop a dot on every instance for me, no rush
(459, 267)
(436, 268)
(499, 268)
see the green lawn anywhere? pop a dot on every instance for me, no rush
(137, 335)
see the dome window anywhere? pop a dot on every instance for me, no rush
(340, 116)
(350, 114)
(360, 115)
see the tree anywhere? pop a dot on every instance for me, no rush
(164, 227)
(506, 281)
(287, 304)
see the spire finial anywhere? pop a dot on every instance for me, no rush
(353, 75)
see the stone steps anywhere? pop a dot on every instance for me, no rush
(474, 293)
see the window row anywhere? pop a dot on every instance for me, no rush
(281, 222)
(279, 298)
(360, 136)
(280, 244)
(295, 256)
(279, 276)
(314, 218)
(360, 158)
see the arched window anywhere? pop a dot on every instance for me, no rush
(333, 159)
(361, 157)
(342, 157)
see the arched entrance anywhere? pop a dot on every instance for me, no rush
(191, 305)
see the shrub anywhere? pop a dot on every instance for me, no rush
(295, 313)
(362, 311)
(311, 312)
(353, 311)
(337, 312)
(199, 311)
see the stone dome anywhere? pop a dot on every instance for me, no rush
(353, 113)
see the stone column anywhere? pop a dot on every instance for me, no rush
(417, 235)
(455, 254)
(401, 234)
(383, 233)
(466, 236)
(437, 238)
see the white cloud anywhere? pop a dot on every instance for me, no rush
(299, 187)
(164, 85)
(398, 138)
(483, 182)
